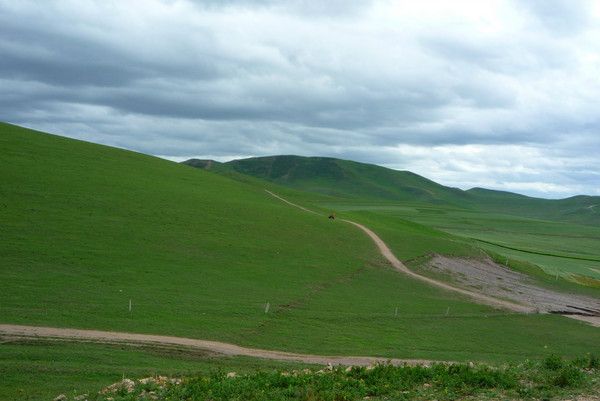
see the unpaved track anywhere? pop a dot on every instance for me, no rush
(480, 298)
(528, 307)
(398, 265)
(111, 337)
(593, 320)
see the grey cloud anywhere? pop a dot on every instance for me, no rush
(266, 77)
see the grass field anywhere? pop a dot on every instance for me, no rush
(501, 222)
(567, 249)
(87, 228)
(33, 371)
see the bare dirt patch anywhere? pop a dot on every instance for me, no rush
(499, 281)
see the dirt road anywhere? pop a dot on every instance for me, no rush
(524, 298)
(398, 265)
(593, 320)
(9, 331)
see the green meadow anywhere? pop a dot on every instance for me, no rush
(569, 250)
(87, 228)
(41, 370)
(561, 237)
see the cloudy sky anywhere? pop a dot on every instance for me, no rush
(500, 94)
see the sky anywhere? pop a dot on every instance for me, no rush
(495, 94)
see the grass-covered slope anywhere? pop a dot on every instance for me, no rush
(353, 180)
(86, 228)
(41, 370)
(558, 248)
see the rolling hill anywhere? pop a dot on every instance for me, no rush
(353, 180)
(88, 228)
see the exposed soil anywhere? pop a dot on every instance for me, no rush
(593, 320)
(501, 282)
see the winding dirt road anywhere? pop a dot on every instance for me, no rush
(476, 296)
(398, 265)
(10, 331)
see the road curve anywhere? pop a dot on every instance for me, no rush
(398, 265)
(111, 337)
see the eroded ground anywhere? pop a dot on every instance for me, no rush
(499, 281)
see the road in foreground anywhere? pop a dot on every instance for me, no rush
(108, 337)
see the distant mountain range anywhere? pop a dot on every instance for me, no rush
(349, 179)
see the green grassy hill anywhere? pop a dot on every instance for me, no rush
(86, 228)
(346, 179)
(353, 180)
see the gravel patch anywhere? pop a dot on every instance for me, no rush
(498, 281)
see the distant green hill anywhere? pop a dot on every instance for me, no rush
(346, 178)
(206, 164)
(353, 180)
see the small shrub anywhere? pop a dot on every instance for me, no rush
(553, 362)
(569, 376)
(594, 362)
